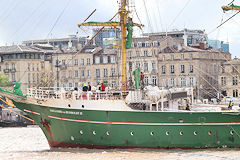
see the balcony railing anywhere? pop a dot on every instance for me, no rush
(6, 70)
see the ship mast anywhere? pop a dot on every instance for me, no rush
(124, 22)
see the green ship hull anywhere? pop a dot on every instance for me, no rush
(135, 129)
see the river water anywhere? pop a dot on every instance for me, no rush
(29, 143)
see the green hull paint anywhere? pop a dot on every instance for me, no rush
(145, 132)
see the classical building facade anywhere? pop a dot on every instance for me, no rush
(25, 64)
(229, 78)
(190, 67)
(93, 66)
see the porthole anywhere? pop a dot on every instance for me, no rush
(81, 132)
(209, 133)
(195, 133)
(94, 132)
(180, 121)
(231, 132)
(152, 133)
(181, 133)
(72, 138)
(82, 106)
(167, 133)
(69, 105)
(131, 133)
(107, 133)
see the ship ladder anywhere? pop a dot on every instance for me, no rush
(14, 111)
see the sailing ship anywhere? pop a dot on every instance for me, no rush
(150, 118)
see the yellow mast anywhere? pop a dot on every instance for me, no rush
(123, 21)
(123, 12)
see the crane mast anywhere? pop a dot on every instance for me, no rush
(125, 24)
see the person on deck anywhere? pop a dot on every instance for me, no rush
(230, 105)
(89, 87)
(141, 80)
(102, 87)
(85, 87)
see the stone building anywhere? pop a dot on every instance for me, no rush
(191, 67)
(25, 64)
(229, 78)
(92, 65)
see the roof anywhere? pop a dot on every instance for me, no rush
(18, 49)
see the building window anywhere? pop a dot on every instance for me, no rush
(105, 72)
(190, 68)
(147, 44)
(13, 66)
(75, 62)
(146, 80)
(113, 71)
(223, 69)
(130, 66)
(63, 62)
(182, 69)
(70, 85)
(37, 77)
(13, 77)
(191, 79)
(82, 73)
(88, 73)
(97, 73)
(112, 59)
(145, 53)
(172, 82)
(138, 65)
(235, 81)
(190, 56)
(88, 61)
(172, 57)
(154, 80)
(183, 82)
(164, 84)
(223, 81)
(130, 54)
(235, 93)
(7, 67)
(153, 66)
(163, 58)
(29, 77)
(82, 62)
(33, 76)
(76, 84)
(172, 69)
(69, 62)
(76, 74)
(145, 67)
(137, 54)
(105, 59)
(163, 69)
(139, 44)
(234, 69)
(97, 60)
(182, 56)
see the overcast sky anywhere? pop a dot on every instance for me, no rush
(34, 19)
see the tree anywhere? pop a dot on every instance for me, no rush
(3, 80)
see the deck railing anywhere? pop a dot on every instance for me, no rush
(68, 93)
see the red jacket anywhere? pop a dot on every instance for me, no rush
(103, 87)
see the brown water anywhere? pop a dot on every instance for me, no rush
(30, 144)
